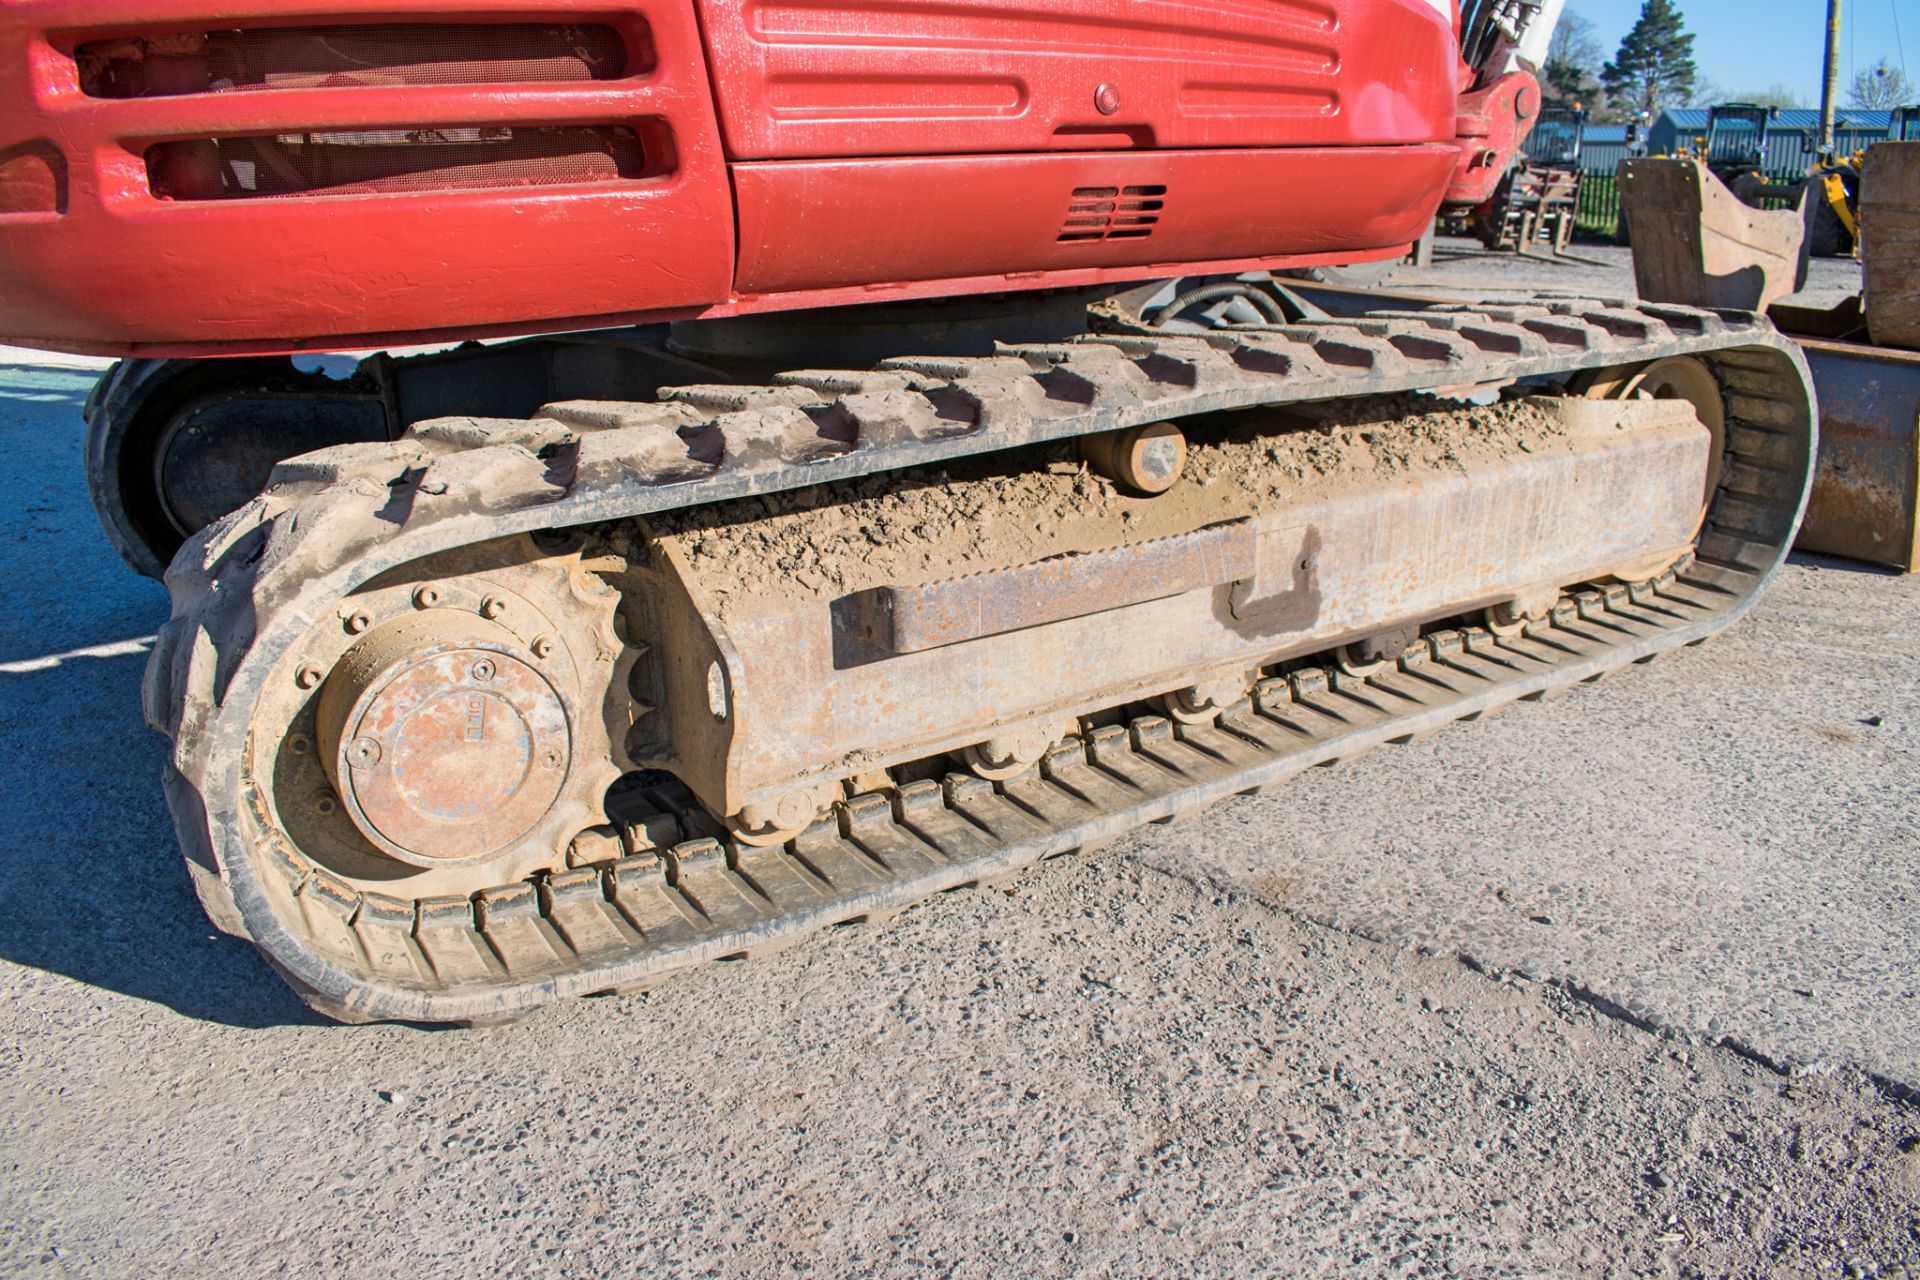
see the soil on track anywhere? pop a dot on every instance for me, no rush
(1014, 509)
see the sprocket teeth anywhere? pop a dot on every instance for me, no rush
(566, 621)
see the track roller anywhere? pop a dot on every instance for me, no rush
(1144, 461)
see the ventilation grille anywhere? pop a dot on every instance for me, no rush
(392, 160)
(1112, 213)
(362, 56)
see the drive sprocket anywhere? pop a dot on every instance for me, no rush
(453, 724)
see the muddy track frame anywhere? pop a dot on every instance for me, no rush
(244, 590)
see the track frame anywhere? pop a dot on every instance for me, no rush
(245, 588)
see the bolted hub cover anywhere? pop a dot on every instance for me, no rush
(444, 745)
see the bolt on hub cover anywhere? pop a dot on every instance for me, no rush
(444, 745)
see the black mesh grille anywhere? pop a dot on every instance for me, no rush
(348, 163)
(363, 56)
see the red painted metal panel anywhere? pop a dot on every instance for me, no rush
(826, 223)
(123, 267)
(292, 211)
(804, 78)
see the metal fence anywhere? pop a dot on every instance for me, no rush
(1599, 206)
(1790, 134)
(1787, 158)
(1602, 157)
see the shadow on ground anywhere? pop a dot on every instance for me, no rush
(91, 882)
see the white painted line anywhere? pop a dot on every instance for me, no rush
(112, 649)
(29, 358)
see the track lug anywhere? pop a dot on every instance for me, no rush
(918, 802)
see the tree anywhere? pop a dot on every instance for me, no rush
(1881, 87)
(1777, 96)
(1708, 93)
(1571, 72)
(1653, 68)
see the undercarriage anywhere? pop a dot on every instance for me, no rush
(510, 709)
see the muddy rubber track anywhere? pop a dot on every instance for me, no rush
(244, 590)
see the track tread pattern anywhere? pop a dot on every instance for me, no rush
(331, 520)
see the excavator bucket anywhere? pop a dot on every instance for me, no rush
(1867, 478)
(1867, 485)
(1695, 242)
(1890, 214)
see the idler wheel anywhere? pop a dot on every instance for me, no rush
(444, 743)
(1686, 378)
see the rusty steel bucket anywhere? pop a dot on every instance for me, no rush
(1695, 242)
(1868, 476)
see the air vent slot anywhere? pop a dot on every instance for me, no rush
(364, 55)
(1112, 213)
(388, 161)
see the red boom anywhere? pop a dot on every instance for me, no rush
(183, 176)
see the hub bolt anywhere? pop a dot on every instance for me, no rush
(492, 607)
(483, 670)
(543, 647)
(426, 598)
(363, 753)
(359, 621)
(309, 676)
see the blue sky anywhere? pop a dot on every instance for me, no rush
(1747, 45)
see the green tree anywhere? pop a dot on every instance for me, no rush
(1881, 87)
(1571, 72)
(1653, 68)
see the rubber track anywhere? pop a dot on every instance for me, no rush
(246, 589)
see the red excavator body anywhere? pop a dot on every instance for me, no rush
(185, 177)
(505, 672)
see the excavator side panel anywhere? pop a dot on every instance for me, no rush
(382, 175)
(821, 224)
(815, 78)
(154, 189)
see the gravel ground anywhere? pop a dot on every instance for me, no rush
(1648, 1009)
